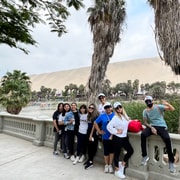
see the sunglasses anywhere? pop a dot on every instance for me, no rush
(101, 97)
(107, 107)
(118, 107)
(90, 107)
(148, 101)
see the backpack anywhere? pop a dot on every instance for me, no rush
(135, 126)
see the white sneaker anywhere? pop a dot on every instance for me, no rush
(145, 160)
(66, 156)
(110, 169)
(172, 168)
(72, 158)
(106, 168)
(55, 153)
(76, 160)
(119, 174)
(82, 158)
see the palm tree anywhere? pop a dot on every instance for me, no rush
(167, 28)
(106, 20)
(135, 87)
(81, 89)
(15, 91)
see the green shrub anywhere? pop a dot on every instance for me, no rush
(172, 118)
(134, 109)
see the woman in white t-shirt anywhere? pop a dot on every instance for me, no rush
(118, 127)
(82, 135)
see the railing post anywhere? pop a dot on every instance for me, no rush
(40, 133)
(1, 124)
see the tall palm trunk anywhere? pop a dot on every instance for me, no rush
(106, 19)
(167, 30)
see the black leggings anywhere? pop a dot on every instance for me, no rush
(163, 133)
(56, 140)
(70, 139)
(92, 148)
(118, 143)
(81, 144)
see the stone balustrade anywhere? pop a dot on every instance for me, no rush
(39, 131)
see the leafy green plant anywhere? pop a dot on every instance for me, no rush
(15, 91)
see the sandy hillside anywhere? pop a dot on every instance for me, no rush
(145, 70)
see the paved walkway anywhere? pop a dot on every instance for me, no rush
(20, 160)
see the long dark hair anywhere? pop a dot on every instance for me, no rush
(83, 106)
(59, 106)
(64, 111)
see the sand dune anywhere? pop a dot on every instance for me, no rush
(147, 70)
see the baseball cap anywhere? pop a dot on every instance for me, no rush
(101, 94)
(116, 104)
(148, 98)
(107, 104)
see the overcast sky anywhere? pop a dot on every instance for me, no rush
(74, 49)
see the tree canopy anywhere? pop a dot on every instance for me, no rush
(19, 17)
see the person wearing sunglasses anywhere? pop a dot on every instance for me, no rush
(118, 127)
(91, 135)
(104, 119)
(153, 117)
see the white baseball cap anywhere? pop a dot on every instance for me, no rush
(107, 104)
(148, 98)
(116, 104)
(101, 94)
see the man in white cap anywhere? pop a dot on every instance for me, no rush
(102, 99)
(104, 119)
(153, 117)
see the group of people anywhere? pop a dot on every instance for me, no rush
(87, 125)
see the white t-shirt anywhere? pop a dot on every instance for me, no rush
(101, 108)
(61, 118)
(83, 126)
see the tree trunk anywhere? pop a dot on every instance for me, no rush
(167, 31)
(105, 19)
(98, 70)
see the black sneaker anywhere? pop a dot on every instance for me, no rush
(86, 162)
(88, 165)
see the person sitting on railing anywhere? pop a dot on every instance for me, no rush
(153, 117)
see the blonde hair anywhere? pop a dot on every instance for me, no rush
(123, 113)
